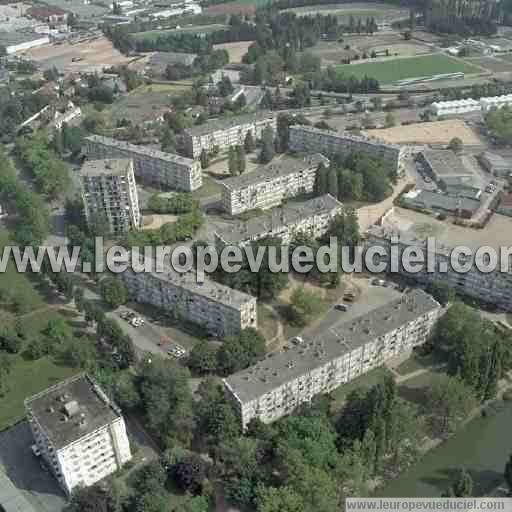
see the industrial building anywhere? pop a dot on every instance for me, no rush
(223, 133)
(440, 203)
(276, 386)
(220, 310)
(109, 189)
(165, 170)
(407, 228)
(495, 164)
(270, 184)
(78, 431)
(447, 108)
(312, 218)
(315, 140)
(14, 42)
(495, 102)
(450, 173)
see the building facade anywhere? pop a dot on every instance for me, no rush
(276, 386)
(315, 140)
(271, 184)
(165, 170)
(404, 228)
(495, 102)
(225, 132)
(311, 218)
(79, 432)
(446, 108)
(220, 310)
(109, 189)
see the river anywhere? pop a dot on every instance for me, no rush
(482, 447)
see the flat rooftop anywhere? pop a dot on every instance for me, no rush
(445, 162)
(140, 150)
(72, 409)
(288, 214)
(433, 200)
(414, 228)
(336, 341)
(209, 288)
(230, 122)
(274, 170)
(106, 167)
(14, 38)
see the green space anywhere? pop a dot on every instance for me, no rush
(418, 362)
(199, 29)
(389, 71)
(267, 322)
(209, 188)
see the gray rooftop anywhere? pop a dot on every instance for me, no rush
(497, 161)
(72, 409)
(287, 214)
(435, 200)
(274, 170)
(14, 38)
(229, 122)
(340, 339)
(141, 150)
(209, 288)
(106, 167)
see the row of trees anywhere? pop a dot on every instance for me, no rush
(178, 203)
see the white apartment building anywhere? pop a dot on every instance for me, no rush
(109, 189)
(406, 228)
(165, 170)
(446, 108)
(223, 133)
(270, 184)
(495, 102)
(312, 217)
(276, 386)
(79, 432)
(314, 140)
(220, 310)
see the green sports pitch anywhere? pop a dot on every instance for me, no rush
(392, 70)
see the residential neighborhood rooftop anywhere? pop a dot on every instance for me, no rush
(106, 167)
(229, 122)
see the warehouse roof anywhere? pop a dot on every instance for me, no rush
(277, 218)
(340, 339)
(274, 170)
(72, 409)
(107, 167)
(438, 201)
(229, 122)
(141, 150)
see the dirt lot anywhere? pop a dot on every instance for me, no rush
(436, 132)
(236, 50)
(491, 63)
(232, 7)
(157, 221)
(91, 55)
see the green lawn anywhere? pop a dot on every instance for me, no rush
(389, 71)
(209, 188)
(199, 29)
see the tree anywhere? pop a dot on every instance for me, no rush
(113, 291)
(442, 292)
(508, 475)
(233, 161)
(225, 86)
(203, 358)
(168, 141)
(5, 370)
(239, 352)
(321, 180)
(205, 159)
(89, 499)
(193, 504)
(57, 332)
(278, 499)
(376, 102)
(455, 144)
(332, 182)
(304, 305)
(463, 486)
(240, 159)
(190, 473)
(267, 148)
(249, 144)
(390, 120)
(10, 341)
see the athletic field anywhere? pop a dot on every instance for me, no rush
(392, 70)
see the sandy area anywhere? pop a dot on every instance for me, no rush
(436, 132)
(236, 50)
(157, 221)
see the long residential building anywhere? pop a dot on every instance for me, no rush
(276, 386)
(165, 170)
(220, 310)
(269, 185)
(405, 228)
(327, 142)
(311, 217)
(109, 189)
(78, 431)
(223, 133)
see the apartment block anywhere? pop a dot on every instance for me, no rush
(315, 140)
(108, 188)
(270, 184)
(405, 228)
(164, 170)
(312, 217)
(79, 432)
(276, 386)
(223, 133)
(220, 310)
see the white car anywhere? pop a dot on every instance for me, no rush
(297, 340)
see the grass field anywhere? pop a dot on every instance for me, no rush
(389, 71)
(200, 29)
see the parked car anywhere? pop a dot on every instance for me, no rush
(297, 340)
(35, 450)
(342, 307)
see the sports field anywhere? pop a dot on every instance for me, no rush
(388, 71)
(199, 29)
